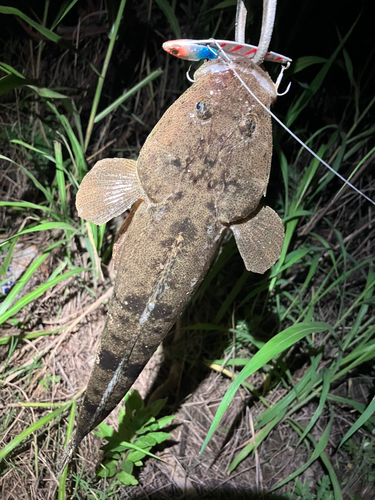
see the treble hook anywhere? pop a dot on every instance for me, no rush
(188, 76)
(280, 77)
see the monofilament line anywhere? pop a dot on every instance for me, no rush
(225, 56)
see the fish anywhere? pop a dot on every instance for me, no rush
(195, 50)
(201, 173)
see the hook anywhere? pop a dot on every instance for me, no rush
(280, 77)
(279, 94)
(188, 76)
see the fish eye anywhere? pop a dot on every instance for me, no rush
(174, 52)
(203, 108)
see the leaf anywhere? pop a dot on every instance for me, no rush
(37, 293)
(126, 478)
(32, 428)
(10, 82)
(170, 15)
(127, 94)
(42, 30)
(322, 401)
(318, 450)
(272, 348)
(370, 410)
(108, 469)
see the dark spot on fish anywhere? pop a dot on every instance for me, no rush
(211, 207)
(212, 183)
(185, 227)
(163, 311)
(117, 339)
(96, 394)
(168, 242)
(176, 162)
(247, 125)
(108, 360)
(135, 303)
(178, 196)
(133, 370)
(89, 407)
(233, 182)
(209, 163)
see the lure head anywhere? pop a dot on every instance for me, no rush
(189, 50)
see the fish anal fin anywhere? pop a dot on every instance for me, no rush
(119, 238)
(259, 239)
(110, 188)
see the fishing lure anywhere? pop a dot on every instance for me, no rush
(195, 50)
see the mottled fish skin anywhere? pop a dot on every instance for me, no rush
(152, 286)
(204, 166)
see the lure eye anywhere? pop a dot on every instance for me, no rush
(174, 52)
(203, 108)
(248, 126)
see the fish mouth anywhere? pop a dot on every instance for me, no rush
(244, 67)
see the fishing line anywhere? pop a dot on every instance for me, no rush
(228, 60)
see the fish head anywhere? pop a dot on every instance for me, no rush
(216, 138)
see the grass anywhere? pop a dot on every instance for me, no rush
(298, 342)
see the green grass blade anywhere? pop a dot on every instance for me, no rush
(128, 94)
(37, 293)
(17, 287)
(273, 348)
(48, 156)
(44, 226)
(10, 82)
(44, 31)
(7, 259)
(322, 402)
(77, 148)
(47, 194)
(62, 480)
(318, 450)
(258, 439)
(101, 79)
(64, 10)
(370, 410)
(60, 177)
(171, 17)
(29, 336)
(32, 428)
(9, 70)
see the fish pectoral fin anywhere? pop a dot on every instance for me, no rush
(110, 188)
(259, 239)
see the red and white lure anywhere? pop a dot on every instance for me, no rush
(195, 50)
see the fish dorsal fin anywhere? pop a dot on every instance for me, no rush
(259, 239)
(110, 188)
